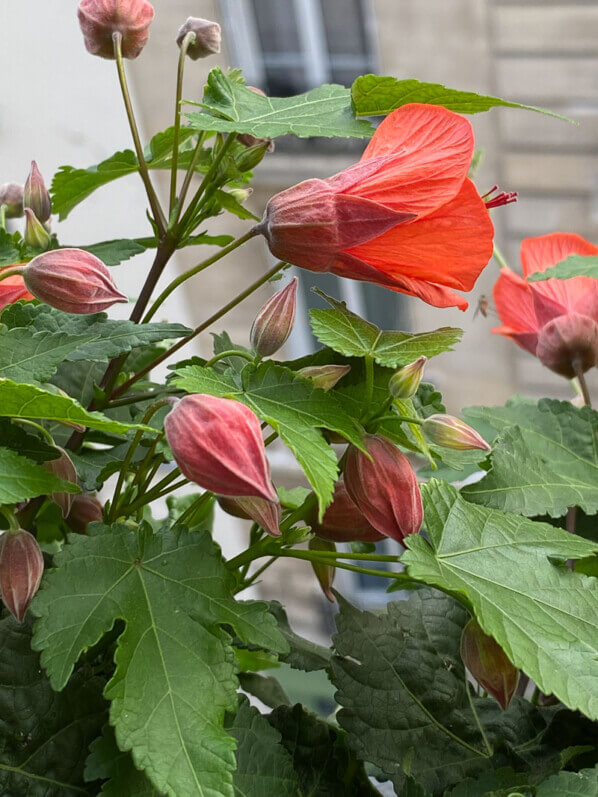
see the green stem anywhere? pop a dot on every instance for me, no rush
(313, 557)
(231, 353)
(270, 439)
(37, 426)
(3, 217)
(143, 170)
(124, 402)
(369, 384)
(195, 507)
(401, 418)
(583, 384)
(191, 170)
(146, 463)
(156, 492)
(487, 745)
(9, 272)
(193, 271)
(499, 257)
(13, 523)
(254, 576)
(177, 117)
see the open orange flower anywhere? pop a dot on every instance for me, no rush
(405, 217)
(12, 289)
(556, 320)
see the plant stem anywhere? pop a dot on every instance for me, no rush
(211, 320)
(9, 515)
(191, 170)
(254, 576)
(499, 257)
(3, 217)
(401, 418)
(156, 492)
(193, 271)
(177, 117)
(583, 384)
(10, 272)
(487, 745)
(231, 353)
(37, 426)
(312, 557)
(124, 402)
(143, 170)
(195, 506)
(369, 384)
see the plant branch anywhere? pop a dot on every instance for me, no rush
(177, 118)
(499, 257)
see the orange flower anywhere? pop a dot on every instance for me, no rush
(12, 289)
(405, 217)
(556, 320)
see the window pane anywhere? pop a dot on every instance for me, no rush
(343, 23)
(277, 27)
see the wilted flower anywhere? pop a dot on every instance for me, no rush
(21, 570)
(486, 661)
(100, 19)
(404, 383)
(450, 432)
(206, 37)
(324, 572)
(342, 521)
(62, 468)
(11, 196)
(324, 376)
(36, 236)
(36, 196)
(265, 513)
(85, 509)
(274, 322)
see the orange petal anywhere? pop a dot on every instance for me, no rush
(514, 302)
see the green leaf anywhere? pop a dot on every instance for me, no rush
(570, 784)
(493, 783)
(544, 616)
(375, 95)
(112, 253)
(28, 356)
(44, 735)
(24, 443)
(28, 401)
(174, 675)
(347, 333)
(264, 767)
(572, 266)
(9, 250)
(303, 654)
(265, 687)
(107, 762)
(544, 461)
(293, 407)
(20, 478)
(230, 107)
(227, 201)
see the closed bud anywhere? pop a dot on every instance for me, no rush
(404, 383)
(450, 432)
(36, 196)
(36, 236)
(11, 197)
(254, 154)
(265, 513)
(21, 570)
(217, 443)
(342, 521)
(384, 487)
(205, 39)
(324, 572)
(274, 322)
(73, 281)
(486, 661)
(85, 509)
(100, 19)
(241, 194)
(324, 376)
(62, 468)
(569, 344)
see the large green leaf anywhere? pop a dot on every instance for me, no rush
(570, 784)
(107, 762)
(511, 571)
(20, 478)
(112, 253)
(374, 95)
(572, 266)
(293, 406)
(347, 333)
(27, 444)
(544, 460)
(44, 735)
(230, 107)
(303, 654)
(174, 675)
(29, 356)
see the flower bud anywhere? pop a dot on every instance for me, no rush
(324, 573)
(11, 196)
(450, 432)
(254, 154)
(73, 281)
(12, 289)
(342, 521)
(206, 38)
(62, 468)
(569, 343)
(100, 19)
(240, 194)
(217, 443)
(36, 236)
(85, 508)
(404, 383)
(274, 322)
(486, 661)
(265, 513)
(324, 376)
(36, 196)
(21, 570)
(385, 488)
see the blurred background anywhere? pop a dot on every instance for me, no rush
(61, 106)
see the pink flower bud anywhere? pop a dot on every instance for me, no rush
(324, 572)
(342, 521)
(324, 376)
(62, 468)
(21, 570)
(36, 236)
(85, 508)
(72, 280)
(404, 383)
(569, 343)
(450, 432)
(385, 488)
(217, 443)
(36, 196)
(100, 19)
(206, 37)
(265, 513)
(11, 196)
(486, 661)
(274, 322)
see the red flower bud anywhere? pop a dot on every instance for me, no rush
(324, 572)
(21, 570)
(450, 432)
(99, 19)
(72, 280)
(385, 488)
(265, 513)
(217, 443)
(85, 509)
(486, 661)
(11, 196)
(324, 376)
(206, 37)
(343, 522)
(569, 343)
(404, 383)
(36, 236)
(62, 468)
(274, 322)
(36, 196)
